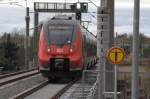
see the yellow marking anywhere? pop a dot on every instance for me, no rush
(116, 55)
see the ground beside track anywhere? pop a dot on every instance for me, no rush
(13, 89)
(46, 92)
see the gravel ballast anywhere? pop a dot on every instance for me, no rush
(20, 86)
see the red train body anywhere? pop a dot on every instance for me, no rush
(65, 48)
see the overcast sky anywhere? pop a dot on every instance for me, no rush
(13, 16)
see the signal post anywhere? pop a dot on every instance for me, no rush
(115, 56)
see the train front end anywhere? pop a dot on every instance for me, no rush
(60, 48)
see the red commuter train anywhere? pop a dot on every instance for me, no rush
(65, 47)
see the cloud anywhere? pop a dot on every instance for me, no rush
(14, 16)
(11, 17)
(128, 4)
(124, 21)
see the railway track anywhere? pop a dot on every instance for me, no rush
(62, 91)
(9, 78)
(15, 73)
(33, 93)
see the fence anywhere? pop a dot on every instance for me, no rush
(124, 85)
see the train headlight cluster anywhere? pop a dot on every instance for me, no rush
(71, 50)
(48, 50)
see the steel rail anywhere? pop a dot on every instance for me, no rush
(14, 79)
(41, 85)
(62, 91)
(15, 73)
(30, 91)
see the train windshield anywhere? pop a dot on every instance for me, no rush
(61, 34)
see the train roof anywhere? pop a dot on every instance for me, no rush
(70, 20)
(61, 18)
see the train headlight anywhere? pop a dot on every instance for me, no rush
(48, 50)
(71, 50)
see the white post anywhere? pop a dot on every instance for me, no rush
(115, 83)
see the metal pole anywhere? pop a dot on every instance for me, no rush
(36, 18)
(135, 65)
(27, 18)
(115, 83)
(99, 53)
(27, 21)
(115, 69)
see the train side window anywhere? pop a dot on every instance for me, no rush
(101, 33)
(101, 41)
(102, 19)
(102, 27)
(84, 38)
(84, 41)
(101, 49)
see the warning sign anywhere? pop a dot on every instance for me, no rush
(116, 55)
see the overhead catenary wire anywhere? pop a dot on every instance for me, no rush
(17, 3)
(93, 3)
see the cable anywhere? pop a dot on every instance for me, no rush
(93, 3)
(96, 0)
(17, 4)
(8, 2)
(92, 15)
(26, 2)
